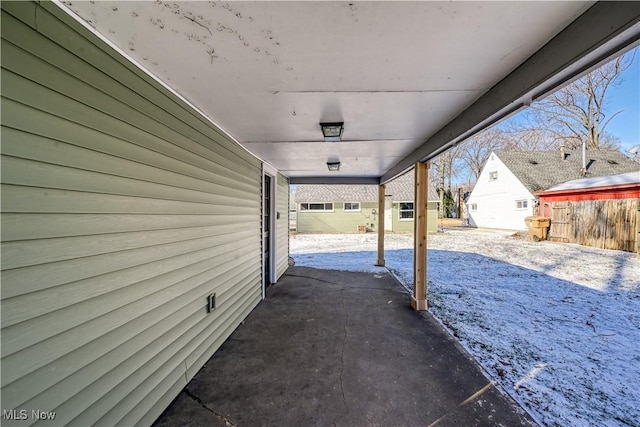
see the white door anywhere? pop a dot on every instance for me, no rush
(388, 218)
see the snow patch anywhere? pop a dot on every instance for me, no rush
(557, 325)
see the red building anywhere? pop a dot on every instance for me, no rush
(602, 212)
(622, 186)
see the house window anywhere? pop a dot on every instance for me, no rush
(521, 204)
(352, 206)
(405, 211)
(473, 206)
(321, 207)
(493, 176)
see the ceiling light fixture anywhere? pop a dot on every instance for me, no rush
(332, 131)
(333, 166)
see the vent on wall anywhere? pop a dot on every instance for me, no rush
(211, 303)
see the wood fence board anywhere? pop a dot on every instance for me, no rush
(604, 224)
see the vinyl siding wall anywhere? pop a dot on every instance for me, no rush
(407, 226)
(282, 225)
(337, 221)
(495, 199)
(122, 209)
(432, 217)
(340, 221)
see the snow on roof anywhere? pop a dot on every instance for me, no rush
(599, 181)
(540, 170)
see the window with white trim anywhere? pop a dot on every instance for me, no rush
(352, 206)
(317, 207)
(405, 211)
(473, 206)
(522, 204)
(493, 175)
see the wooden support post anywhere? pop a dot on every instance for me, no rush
(381, 190)
(419, 299)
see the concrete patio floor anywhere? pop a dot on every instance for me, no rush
(334, 348)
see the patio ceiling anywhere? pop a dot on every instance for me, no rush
(407, 79)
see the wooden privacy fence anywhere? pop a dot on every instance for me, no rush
(605, 224)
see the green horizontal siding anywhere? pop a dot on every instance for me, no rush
(122, 209)
(282, 225)
(432, 217)
(338, 221)
(400, 226)
(408, 227)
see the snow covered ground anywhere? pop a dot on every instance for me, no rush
(558, 325)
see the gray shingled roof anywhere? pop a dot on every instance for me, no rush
(539, 170)
(336, 193)
(400, 189)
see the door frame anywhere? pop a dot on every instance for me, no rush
(273, 174)
(388, 214)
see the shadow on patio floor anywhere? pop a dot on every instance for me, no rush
(345, 349)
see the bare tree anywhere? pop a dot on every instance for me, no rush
(441, 173)
(443, 168)
(516, 137)
(475, 151)
(578, 112)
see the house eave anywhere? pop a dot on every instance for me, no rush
(341, 180)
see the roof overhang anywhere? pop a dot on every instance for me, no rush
(408, 79)
(605, 30)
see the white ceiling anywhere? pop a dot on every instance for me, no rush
(268, 72)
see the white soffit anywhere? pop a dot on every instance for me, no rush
(269, 72)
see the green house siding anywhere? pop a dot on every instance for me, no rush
(400, 226)
(404, 226)
(432, 217)
(282, 224)
(122, 209)
(338, 221)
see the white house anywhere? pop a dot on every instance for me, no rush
(499, 199)
(504, 193)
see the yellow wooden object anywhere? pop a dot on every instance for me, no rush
(419, 299)
(380, 261)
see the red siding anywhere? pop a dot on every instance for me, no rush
(630, 191)
(627, 191)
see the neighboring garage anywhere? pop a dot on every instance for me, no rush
(602, 212)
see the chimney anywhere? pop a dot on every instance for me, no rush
(562, 152)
